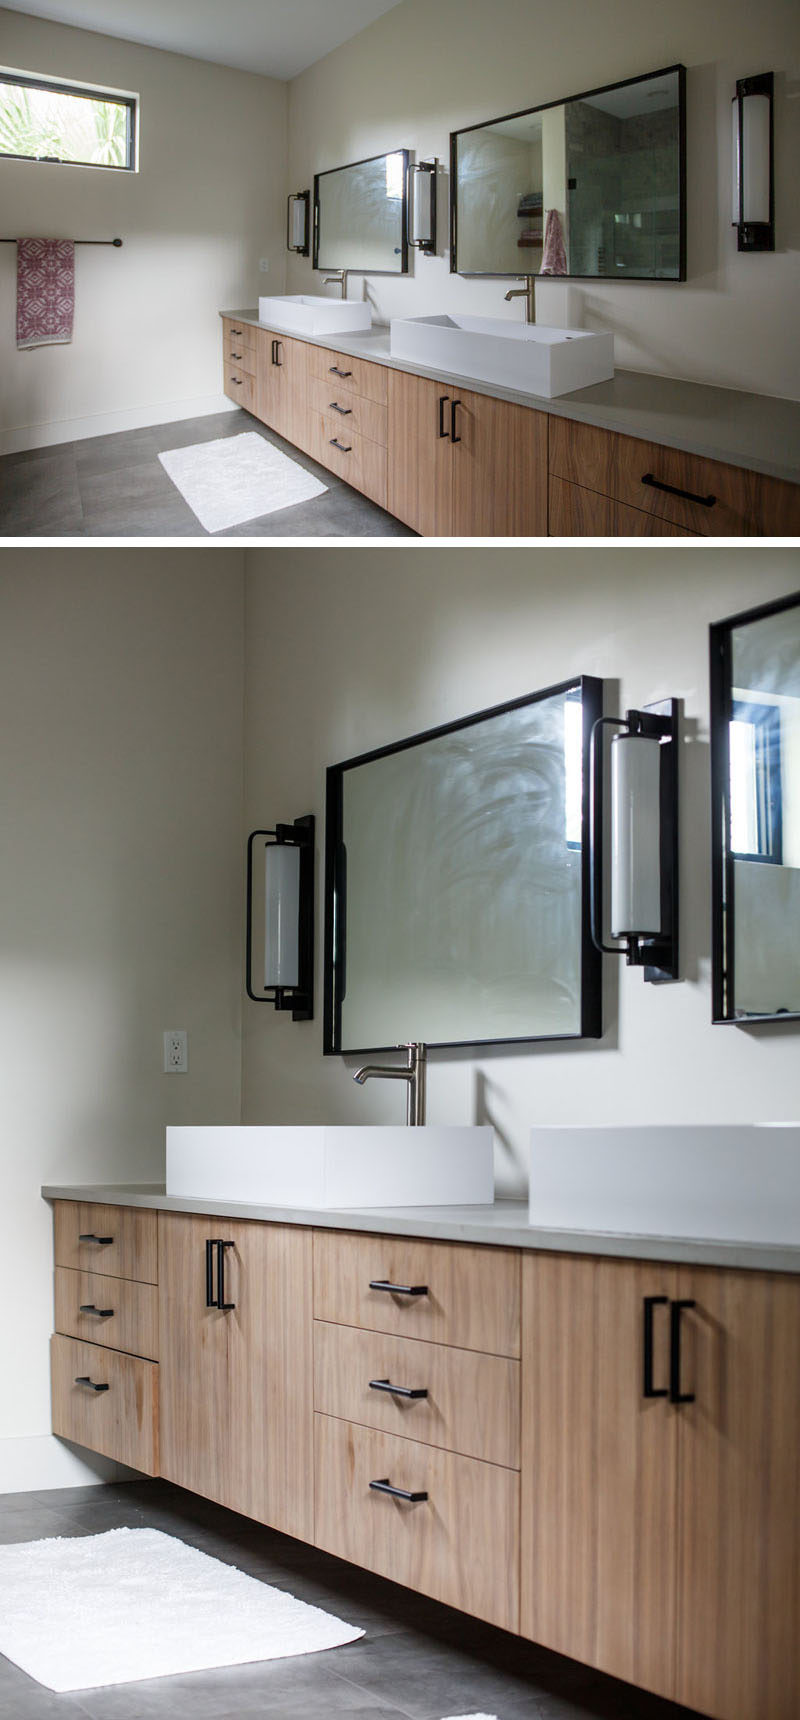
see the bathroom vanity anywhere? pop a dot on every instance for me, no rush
(452, 456)
(586, 1439)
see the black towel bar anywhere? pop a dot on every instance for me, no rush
(115, 242)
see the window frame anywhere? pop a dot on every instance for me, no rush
(765, 721)
(91, 92)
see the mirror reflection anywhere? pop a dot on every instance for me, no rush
(760, 945)
(590, 187)
(455, 892)
(360, 216)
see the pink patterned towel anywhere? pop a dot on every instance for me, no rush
(45, 291)
(554, 255)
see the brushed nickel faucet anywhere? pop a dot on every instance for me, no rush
(338, 280)
(413, 1073)
(528, 293)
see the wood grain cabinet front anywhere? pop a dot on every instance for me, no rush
(116, 1312)
(464, 464)
(446, 1292)
(118, 1241)
(105, 1401)
(235, 1352)
(281, 394)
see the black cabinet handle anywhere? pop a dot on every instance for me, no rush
(453, 409)
(84, 1380)
(102, 1313)
(675, 1393)
(686, 495)
(343, 411)
(221, 1303)
(343, 449)
(236, 357)
(398, 1391)
(236, 331)
(237, 381)
(649, 1390)
(333, 370)
(211, 1301)
(385, 1486)
(276, 347)
(443, 400)
(89, 1236)
(398, 1289)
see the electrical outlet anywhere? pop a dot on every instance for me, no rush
(264, 265)
(176, 1051)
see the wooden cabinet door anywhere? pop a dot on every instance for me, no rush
(420, 467)
(499, 468)
(236, 1384)
(281, 393)
(599, 1467)
(576, 512)
(739, 1466)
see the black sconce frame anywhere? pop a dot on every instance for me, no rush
(658, 956)
(303, 197)
(756, 235)
(426, 246)
(300, 998)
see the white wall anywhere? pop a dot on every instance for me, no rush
(422, 71)
(207, 203)
(345, 653)
(120, 903)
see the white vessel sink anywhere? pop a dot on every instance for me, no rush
(726, 1182)
(302, 313)
(317, 1166)
(525, 356)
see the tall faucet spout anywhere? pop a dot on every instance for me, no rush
(413, 1073)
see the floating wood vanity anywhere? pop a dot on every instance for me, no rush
(463, 461)
(589, 1441)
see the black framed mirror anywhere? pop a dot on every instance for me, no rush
(591, 187)
(360, 215)
(457, 905)
(755, 788)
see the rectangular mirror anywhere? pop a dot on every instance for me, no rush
(360, 216)
(457, 888)
(755, 774)
(610, 165)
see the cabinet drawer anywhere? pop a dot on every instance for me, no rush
(240, 386)
(352, 457)
(240, 335)
(472, 1402)
(239, 357)
(459, 1545)
(726, 497)
(471, 1299)
(351, 411)
(123, 1316)
(577, 512)
(354, 375)
(121, 1422)
(119, 1241)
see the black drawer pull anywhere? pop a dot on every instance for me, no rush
(88, 1236)
(453, 436)
(344, 411)
(237, 381)
(276, 347)
(335, 371)
(84, 1380)
(675, 1393)
(341, 446)
(398, 1391)
(398, 1289)
(649, 1390)
(385, 1486)
(443, 400)
(686, 495)
(102, 1313)
(236, 331)
(217, 1301)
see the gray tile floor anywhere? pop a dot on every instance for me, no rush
(115, 486)
(417, 1661)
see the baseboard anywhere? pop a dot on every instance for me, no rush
(26, 436)
(32, 1465)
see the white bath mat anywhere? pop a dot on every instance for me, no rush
(80, 1611)
(237, 478)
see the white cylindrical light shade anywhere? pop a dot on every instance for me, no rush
(421, 186)
(635, 836)
(282, 915)
(298, 222)
(751, 158)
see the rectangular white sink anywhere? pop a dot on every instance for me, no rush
(737, 1182)
(346, 1166)
(528, 357)
(304, 313)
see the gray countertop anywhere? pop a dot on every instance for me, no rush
(757, 431)
(505, 1225)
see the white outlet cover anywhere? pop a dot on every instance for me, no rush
(263, 264)
(176, 1051)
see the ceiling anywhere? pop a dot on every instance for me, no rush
(277, 37)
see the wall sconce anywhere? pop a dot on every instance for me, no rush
(644, 839)
(753, 167)
(288, 917)
(297, 223)
(421, 203)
